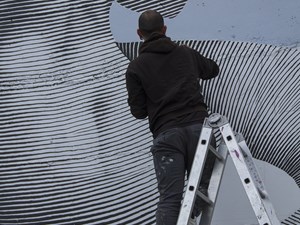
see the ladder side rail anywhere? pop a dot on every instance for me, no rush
(249, 184)
(251, 166)
(214, 185)
(258, 182)
(195, 176)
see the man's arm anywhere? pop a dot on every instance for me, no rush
(136, 96)
(207, 67)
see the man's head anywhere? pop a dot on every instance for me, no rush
(150, 22)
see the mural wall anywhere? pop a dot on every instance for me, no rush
(70, 151)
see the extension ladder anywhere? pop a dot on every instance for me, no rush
(235, 145)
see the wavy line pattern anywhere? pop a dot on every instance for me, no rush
(168, 8)
(70, 151)
(293, 219)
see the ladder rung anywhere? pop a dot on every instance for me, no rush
(216, 153)
(204, 197)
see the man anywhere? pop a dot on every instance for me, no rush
(163, 85)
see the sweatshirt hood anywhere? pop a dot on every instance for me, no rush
(157, 43)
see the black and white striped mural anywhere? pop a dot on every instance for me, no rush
(70, 151)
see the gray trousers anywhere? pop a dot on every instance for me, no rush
(173, 152)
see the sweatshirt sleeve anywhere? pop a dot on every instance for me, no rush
(208, 68)
(136, 95)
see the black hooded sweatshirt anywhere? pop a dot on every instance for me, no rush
(163, 84)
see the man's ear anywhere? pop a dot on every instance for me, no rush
(164, 29)
(140, 34)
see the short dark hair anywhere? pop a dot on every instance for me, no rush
(151, 21)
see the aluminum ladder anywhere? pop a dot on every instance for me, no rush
(234, 145)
